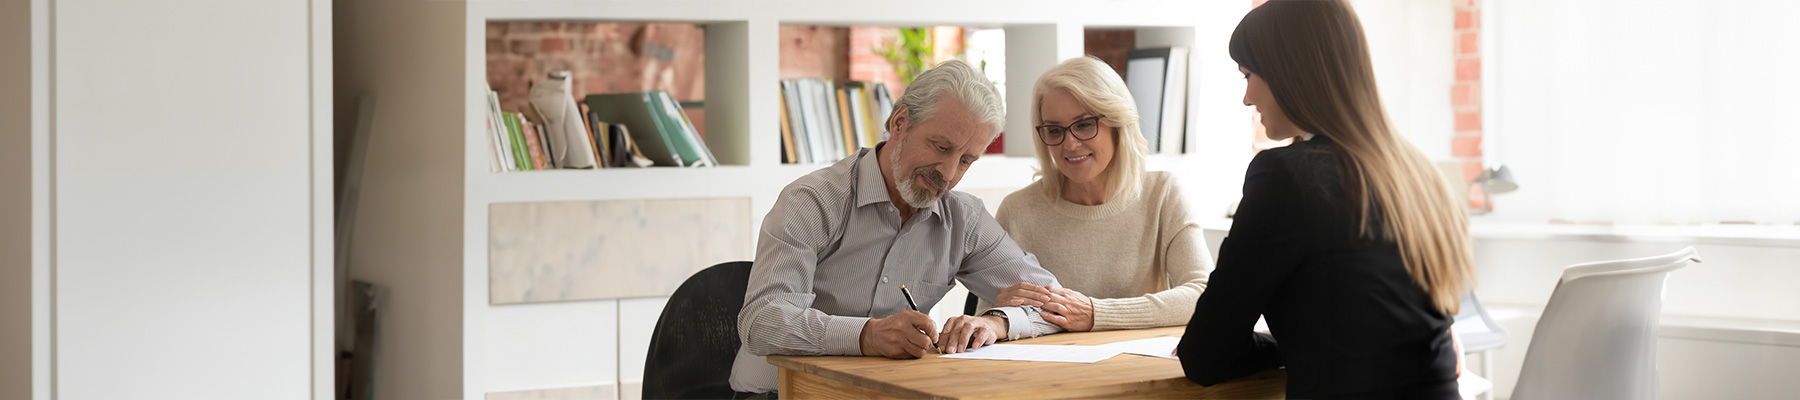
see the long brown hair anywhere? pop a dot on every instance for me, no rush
(1315, 59)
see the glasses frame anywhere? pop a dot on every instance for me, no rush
(1044, 134)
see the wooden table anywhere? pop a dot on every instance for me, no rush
(1123, 376)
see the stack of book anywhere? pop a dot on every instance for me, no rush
(622, 130)
(823, 121)
(653, 125)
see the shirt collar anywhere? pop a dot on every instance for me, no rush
(870, 188)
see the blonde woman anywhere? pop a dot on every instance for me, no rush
(1347, 242)
(1119, 238)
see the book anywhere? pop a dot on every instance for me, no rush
(655, 125)
(884, 106)
(790, 96)
(815, 139)
(1174, 112)
(1157, 78)
(691, 146)
(845, 122)
(634, 111)
(833, 126)
(595, 147)
(521, 158)
(787, 133)
(497, 122)
(872, 127)
(533, 148)
(496, 135)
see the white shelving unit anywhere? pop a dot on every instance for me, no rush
(431, 195)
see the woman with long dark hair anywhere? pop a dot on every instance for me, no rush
(1348, 241)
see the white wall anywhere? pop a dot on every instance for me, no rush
(1410, 42)
(182, 172)
(15, 200)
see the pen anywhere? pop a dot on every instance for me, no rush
(915, 307)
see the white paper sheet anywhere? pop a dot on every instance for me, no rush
(1155, 347)
(1038, 352)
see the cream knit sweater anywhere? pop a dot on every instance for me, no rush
(1143, 262)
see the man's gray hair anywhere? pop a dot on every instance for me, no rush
(968, 84)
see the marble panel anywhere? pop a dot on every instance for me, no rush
(610, 249)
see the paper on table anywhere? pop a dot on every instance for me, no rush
(1155, 347)
(1038, 352)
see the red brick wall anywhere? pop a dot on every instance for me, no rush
(605, 58)
(811, 51)
(1109, 45)
(1465, 94)
(865, 64)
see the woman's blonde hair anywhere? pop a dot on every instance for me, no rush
(1315, 59)
(1102, 92)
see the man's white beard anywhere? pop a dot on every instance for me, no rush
(916, 197)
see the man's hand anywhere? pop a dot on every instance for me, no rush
(905, 335)
(963, 333)
(1022, 294)
(1072, 310)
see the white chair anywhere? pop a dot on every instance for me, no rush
(1597, 336)
(1480, 333)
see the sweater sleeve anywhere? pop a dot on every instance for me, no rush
(1185, 262)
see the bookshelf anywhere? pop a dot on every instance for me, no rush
(430, 195)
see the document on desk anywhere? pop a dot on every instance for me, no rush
(1161, 347)
(1038, 352)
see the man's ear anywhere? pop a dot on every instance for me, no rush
(897, 122)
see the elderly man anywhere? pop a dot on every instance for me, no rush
(840, 242)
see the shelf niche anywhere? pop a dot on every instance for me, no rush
(634, 56)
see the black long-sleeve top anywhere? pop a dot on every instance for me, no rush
(1347, 319)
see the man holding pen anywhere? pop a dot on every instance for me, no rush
(839, 242)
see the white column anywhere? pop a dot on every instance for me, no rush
(1032, 49)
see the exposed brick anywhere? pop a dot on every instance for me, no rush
(523, 47)
(1468, 69)
(553, 45)
(1110, 46)
(1465, 146)
(1468, 44)
(496, 30)
(496, 46)
(809, 51)
(1465, 94)
(1468, 121)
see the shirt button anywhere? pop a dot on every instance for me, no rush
(884, 279)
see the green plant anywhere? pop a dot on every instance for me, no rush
(909, 54)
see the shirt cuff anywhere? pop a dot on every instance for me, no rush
(843, 335)
(1016, 322)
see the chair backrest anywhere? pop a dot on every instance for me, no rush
(1478, 330)
(1597, 336)
(696, 337)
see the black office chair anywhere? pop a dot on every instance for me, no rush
(969, 305)
(696, 337)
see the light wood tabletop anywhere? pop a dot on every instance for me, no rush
(1122, 376)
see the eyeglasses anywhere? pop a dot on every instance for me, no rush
(1084, 129)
